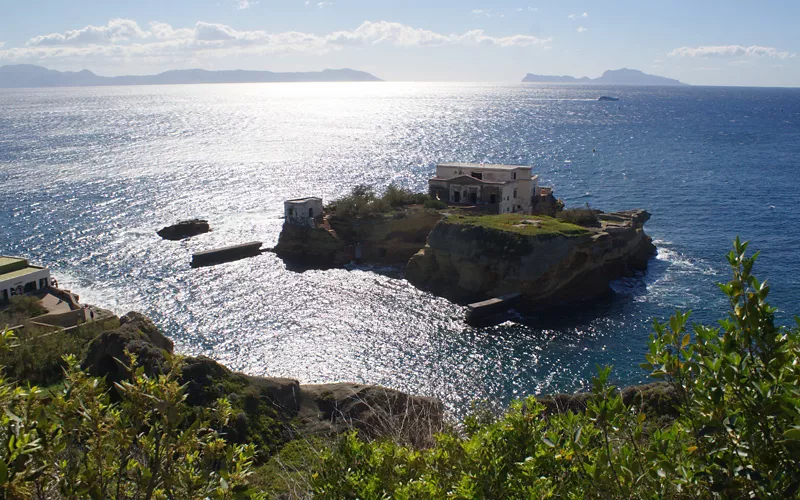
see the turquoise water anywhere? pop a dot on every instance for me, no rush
(88, 174)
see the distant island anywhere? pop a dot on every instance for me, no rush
(622, 76)
(29, 75)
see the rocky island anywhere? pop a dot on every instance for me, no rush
(549, 255)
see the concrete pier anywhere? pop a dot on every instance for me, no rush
(479, 312)
(226, 254)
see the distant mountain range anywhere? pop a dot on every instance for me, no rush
(622, 76)
(28, 75)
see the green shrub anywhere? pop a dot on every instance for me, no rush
(363, 202)
(585, 217)
(38, 356)
(434, 204)
(736, 433)
(74, 443)
(20, 309)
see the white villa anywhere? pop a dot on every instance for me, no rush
(17, 277)
(302, 211)
(494, 188)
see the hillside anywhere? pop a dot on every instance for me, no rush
(622, 76)
(28, 75)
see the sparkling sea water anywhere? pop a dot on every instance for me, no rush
(87, 175)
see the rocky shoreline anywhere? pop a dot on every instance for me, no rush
(465, 262)
(293, 410)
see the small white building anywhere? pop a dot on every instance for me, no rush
(496, 188)
(18, 277)
(302, 211)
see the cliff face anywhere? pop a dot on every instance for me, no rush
(389, 239)
(466, 262)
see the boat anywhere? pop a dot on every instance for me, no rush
(607, 98)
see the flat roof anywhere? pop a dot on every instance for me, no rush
(20, 273)
(484, 165)
(303, 200)
(6, 260)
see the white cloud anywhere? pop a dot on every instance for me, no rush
(125, 40)
(117, 30)
(572, 16)
(585, 15)
(1, 44)
(244, 4)
(730, 51)
(581, 29)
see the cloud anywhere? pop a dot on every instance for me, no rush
(581, 29)
(585, 15)
(125, 40)
(730, 51)
(244, 4)
(117, 30)
(1, 44)
(572, 16)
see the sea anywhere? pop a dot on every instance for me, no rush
(87, 175)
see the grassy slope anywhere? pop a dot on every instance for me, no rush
(513, 223)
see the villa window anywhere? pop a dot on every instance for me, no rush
(477, 175)
(515, 193)
(311, 213)
(514, 175)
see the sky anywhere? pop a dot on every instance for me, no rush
(702, 42)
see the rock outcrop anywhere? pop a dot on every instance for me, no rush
(382, 239)
(107, 356)
(184, 229)
(272, 410)
(467, 262)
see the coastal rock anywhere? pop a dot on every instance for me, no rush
(658, 400)
(374, 411)
(383, 239)
(107, 356)
(323, 409)
(184, 229)
(311, 247)
(466, 263)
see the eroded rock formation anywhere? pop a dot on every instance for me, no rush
(468, 262)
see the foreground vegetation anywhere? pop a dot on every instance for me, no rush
(733, 431)
(737, 434)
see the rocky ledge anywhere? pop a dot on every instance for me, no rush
(333, 241)
(184, 229)
(272, 410)
(465, 261)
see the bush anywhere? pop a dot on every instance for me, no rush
(585, 217)
(434, 204)
(736, 434)
(38, 356)
(20, 309)
(75, 443)
(363, 202)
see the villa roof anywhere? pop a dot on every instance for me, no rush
(469, 180)
(485, 166)
(19, 273)
(15, 267)
(303, 200)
